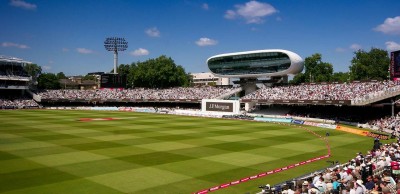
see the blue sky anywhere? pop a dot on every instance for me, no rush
(67, 35)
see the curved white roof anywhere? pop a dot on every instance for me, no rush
(7, 59)
(296, 65)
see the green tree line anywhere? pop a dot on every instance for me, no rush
(365, 65)
(161, 72)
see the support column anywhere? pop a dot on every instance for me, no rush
(393, 105)
(115, 61)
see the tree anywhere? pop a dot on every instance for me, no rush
(33, 70)
(298, 79)
(370, 65)
(123, 69)
(161, 72)
(61, 75)
(48, 81)
(340, 77)
(315, 70)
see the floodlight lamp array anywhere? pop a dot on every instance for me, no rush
(115, 44)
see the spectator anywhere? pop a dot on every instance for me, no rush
(387, 185)
(369, 185)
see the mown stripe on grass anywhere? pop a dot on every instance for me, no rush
(155, 158)
(142, 178)
(69, 186)
(30, 178)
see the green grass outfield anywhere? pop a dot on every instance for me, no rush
(50, 151)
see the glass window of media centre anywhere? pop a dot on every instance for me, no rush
(255, 63)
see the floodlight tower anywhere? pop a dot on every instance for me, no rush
(115, 44)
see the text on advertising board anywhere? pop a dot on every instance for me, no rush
(219, 106)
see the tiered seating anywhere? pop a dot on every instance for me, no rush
(141, 93)
(334, 91)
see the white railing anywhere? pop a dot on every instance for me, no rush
(376, 96)
(230, 93)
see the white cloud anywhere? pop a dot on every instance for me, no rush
(205, 6)
(140, 52)
(11, 44)
(153, 32)
(230, 14)
(252, 12)
(355, 47)
(390, 26)
(23, 4)
(392, 46)
(84, 51)
(206, 42)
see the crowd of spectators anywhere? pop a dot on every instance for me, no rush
(140, 93)
(17, 103)
(375, 172)
(387, 123)
(331, 91)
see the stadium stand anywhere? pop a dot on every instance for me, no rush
(388, 122)
(17, 103)
(332, 91)
(196, 93)
(14, 82)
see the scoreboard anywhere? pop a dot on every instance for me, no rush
(110, 80)
(395, 65)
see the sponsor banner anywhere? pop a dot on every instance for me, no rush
(279, 120)
(322, 125)
(329, 126)
(214, 188)
(235, 182)
(144, 110)
(254, 177)
(362, 132)
(202, 192)
(215, 105)
(125, 109)
(244, 180)
(105, 108)
(377, 135)
(262, 174)
(353, 131)
(225, 185)
(219, 106)
(309, 123)
(300, 122)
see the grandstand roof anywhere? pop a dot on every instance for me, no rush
(7, 59)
